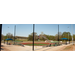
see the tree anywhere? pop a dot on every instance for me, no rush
(5, 37)
(30, 37)
(9, 35)
(2, 37)
(42, 33)
(74, 37)
(52, 37)
(65, 35)
(43, 36)
(60, 36)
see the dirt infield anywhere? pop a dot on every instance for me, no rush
(69, 48)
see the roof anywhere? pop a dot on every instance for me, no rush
(8, 39)
(64, 39)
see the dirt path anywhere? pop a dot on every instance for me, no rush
(68, 48)
(74, 47)
(4, 49)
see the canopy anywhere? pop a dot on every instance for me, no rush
(9, 39)
(64, 39)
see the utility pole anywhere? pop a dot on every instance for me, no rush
(0, 35)
(33, 36)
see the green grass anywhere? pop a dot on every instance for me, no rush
(21, 40)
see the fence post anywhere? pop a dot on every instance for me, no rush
(0, 35)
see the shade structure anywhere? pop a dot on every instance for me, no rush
(9, 39)
(64, 39)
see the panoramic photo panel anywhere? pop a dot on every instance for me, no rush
(54, 37)
(37, 37)
(16, 37)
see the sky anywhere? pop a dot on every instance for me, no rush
(26, 29)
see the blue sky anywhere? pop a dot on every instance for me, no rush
(26, 29)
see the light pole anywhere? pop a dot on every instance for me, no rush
(68, 34)
(8, 32)
(72, 33)
(33, 36)
(14, 33)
